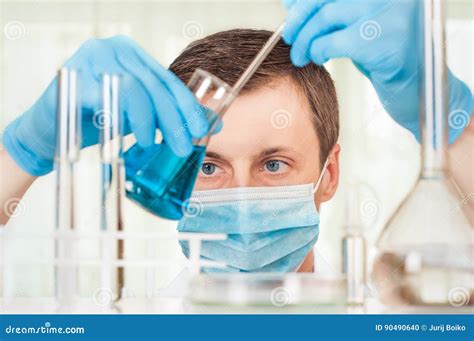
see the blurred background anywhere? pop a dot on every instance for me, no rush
(38, 36)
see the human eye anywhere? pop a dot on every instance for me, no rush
(209, 169)
(275, 166)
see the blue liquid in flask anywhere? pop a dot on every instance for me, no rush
(159, 181)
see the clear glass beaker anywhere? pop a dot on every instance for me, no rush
(157, 179)
(425, 252)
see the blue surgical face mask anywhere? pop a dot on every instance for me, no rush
(270, 229)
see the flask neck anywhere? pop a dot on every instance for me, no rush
(434, 149)
(433, 91)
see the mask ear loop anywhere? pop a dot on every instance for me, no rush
(316, 187)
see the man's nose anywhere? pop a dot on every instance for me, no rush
(241, 180)
(242, 176)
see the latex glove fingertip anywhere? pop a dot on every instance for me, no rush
(286, 37)
(298, 58)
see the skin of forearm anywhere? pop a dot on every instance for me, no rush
(13, 184)
(461, 166)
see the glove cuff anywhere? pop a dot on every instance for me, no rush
(461, 105)
(24, 157)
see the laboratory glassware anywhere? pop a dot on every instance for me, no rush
(113, 183)
(68, 145)
(156, 178)
(268, 290)
(425, 252)
(354, 247)
(162, 182)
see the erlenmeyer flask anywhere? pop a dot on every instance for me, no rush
(425, 251)
(157, 179)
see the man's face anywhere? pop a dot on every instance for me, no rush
(267, 139)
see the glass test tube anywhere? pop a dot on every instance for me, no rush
(354, 251)
(112, 190)
(68, 145)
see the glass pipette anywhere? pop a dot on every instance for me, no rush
(252, 68)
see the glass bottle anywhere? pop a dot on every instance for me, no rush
(425, 251)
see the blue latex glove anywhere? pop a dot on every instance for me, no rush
(151, 97)
(381, 38)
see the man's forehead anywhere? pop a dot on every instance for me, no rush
(269, 104)
(265, 119)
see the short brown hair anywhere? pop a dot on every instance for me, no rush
(227, 54)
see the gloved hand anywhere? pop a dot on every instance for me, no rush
(151, 97)
(381, 38)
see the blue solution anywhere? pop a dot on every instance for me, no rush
(159, 181)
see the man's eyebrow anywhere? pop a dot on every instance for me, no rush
(214, 155)
(274, 150)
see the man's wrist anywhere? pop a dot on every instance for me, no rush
(23, 156)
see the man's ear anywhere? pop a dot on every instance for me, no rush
(330, 179)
